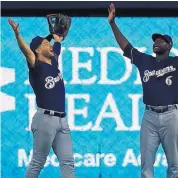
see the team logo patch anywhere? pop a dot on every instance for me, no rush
(51, 81)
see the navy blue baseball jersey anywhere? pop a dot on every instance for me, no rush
(47, 83)
(159, 78)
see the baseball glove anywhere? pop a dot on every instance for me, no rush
(59, 24)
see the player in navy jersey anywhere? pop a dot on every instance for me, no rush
(49, 125)
(159, 76)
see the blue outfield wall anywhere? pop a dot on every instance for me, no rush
(103, 97)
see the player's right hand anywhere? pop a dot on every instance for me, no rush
(111, 11)
(14, 26)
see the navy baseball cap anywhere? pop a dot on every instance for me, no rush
(36, 42)
(167, 38)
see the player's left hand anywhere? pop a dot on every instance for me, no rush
(59, 24)
(57, 38)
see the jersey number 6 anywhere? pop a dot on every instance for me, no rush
(168, 80)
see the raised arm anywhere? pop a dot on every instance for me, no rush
(30, 56)
(120, 38)
(129, 51)
(57, 44)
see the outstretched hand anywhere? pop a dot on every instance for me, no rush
(111, 11)
(14, 26)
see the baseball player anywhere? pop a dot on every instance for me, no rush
(159, 76)
(49, 125)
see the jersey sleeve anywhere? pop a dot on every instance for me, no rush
(134, 55)
(57, 51)
(35, 66)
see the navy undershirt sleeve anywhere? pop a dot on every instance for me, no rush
(57, 50)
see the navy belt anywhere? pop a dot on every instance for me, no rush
(161, 109)
(53, 113)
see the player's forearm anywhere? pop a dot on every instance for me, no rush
(23, 46)
(120, 38)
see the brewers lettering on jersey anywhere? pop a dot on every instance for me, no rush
(49, 125)
(50, 81)
(158, 73)
(159, 77)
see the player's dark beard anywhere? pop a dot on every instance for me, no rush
(47, 54)
(160, 52)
